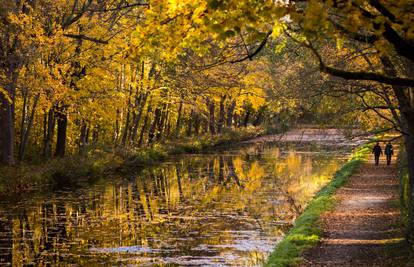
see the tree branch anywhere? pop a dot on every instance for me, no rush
(87, 38)
(255, 52)
(359, 75)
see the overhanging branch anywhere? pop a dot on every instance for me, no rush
(359, 75)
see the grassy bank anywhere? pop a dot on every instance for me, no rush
(25, 177)
(307, 230)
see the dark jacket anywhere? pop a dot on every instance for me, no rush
(388, 149)
(377, 150)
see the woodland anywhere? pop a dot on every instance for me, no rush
(81, 80)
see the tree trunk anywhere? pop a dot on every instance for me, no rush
(407, 120)
(190, 123)
(95, 135)
(221, 115)
(178, 125)
(116, 134)
(47, 143)
(144, 127)
(24, 117)
(230, 113)
(26, 131)
(409, 150)
(161, 123)
(154, 125)
(127, 120)
(196, 124)
(7, 121)
(246, 118)
(62, 124)
(211, 107)
(142, 101)
(259, 117)
(83, 138)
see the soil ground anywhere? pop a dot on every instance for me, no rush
(364, 228)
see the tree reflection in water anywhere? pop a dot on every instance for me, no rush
(227, 209)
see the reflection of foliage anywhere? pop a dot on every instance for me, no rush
(191, 200)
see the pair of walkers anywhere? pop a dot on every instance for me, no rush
(388, 151)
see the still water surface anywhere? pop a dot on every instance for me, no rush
(227, 209)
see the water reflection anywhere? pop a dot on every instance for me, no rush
(221, 210)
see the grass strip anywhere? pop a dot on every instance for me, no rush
(306, 232)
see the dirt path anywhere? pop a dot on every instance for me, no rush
(364, 229)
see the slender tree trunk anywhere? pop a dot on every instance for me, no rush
(142, 101)
(47, 144)
(116, 134)
(7, 121)
(205, 125)
(190, 123)
(212, 122)
(178, 125)
(127, 120)
(24, 117)
(62, 124)
(26, 131)
(230, 113)
(154, 125)
(82, 138)
(162, 120)
(95, 135)
(144, 127)
(221, 120)
(44, 125)
(246, 118)
(196, 124)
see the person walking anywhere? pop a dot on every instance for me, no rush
(377, 151)
(389, 152)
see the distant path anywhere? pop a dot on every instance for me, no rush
(314, 135)
(364, 229)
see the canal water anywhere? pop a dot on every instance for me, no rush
(226, 209)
